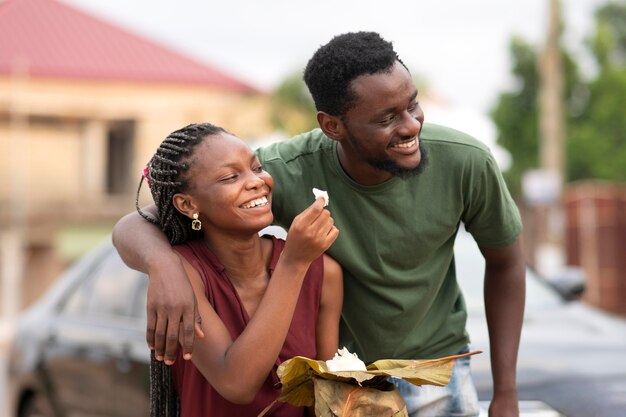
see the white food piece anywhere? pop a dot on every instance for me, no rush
(345, 361)
(321, 193)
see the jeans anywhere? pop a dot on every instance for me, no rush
(457, 399)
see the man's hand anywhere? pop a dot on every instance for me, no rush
(505, 289)
(172, 311)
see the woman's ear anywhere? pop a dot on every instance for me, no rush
(332, 126)
(184, 204)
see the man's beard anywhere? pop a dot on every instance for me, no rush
(388, 165)
(398, 171)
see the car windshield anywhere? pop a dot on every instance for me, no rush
(470, 270)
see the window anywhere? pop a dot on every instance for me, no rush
(110, 289)
(114, 288)
(78, 301)
(120, 145)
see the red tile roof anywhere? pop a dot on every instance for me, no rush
(53, 39)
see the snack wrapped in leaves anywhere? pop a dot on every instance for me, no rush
(335, 398)
(301, 386)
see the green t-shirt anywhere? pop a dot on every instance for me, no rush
(395, 244)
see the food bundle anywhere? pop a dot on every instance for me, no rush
(344, 387)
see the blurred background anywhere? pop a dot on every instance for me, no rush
(89, 88)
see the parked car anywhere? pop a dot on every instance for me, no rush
(572, 356)
(81, 349)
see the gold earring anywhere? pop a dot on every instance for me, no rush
(195, 223)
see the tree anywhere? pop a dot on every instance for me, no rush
(595, 118)
(515, 114)
(293, 110)
(597, 144)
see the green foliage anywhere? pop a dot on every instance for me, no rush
(609, 42)
(595, 110)
(293, 110)
(597, 140)
(515, 114)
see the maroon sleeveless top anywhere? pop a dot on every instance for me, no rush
(197, 396)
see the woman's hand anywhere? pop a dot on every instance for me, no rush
(311, 234)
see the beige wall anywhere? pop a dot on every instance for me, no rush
(60, 127)
(45, 158)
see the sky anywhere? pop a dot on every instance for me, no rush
(458, 48)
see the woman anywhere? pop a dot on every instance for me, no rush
(262, 300)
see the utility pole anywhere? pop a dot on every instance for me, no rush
(552, 137)
(551, 126)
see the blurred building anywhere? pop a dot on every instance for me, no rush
(83, 105)
(596, 237)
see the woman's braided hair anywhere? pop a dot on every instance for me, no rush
(166, 176)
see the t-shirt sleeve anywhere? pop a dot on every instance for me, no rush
(491, 215)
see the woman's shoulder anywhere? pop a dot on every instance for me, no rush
(278, 244)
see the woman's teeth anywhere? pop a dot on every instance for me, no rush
(256, 203)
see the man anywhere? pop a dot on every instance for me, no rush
(399, 190)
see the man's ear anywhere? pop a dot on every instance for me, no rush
(332, 126)
(184, 203)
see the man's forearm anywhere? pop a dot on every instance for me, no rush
(140, 243)
(505, 312)
(504, 304)
(171, 305)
